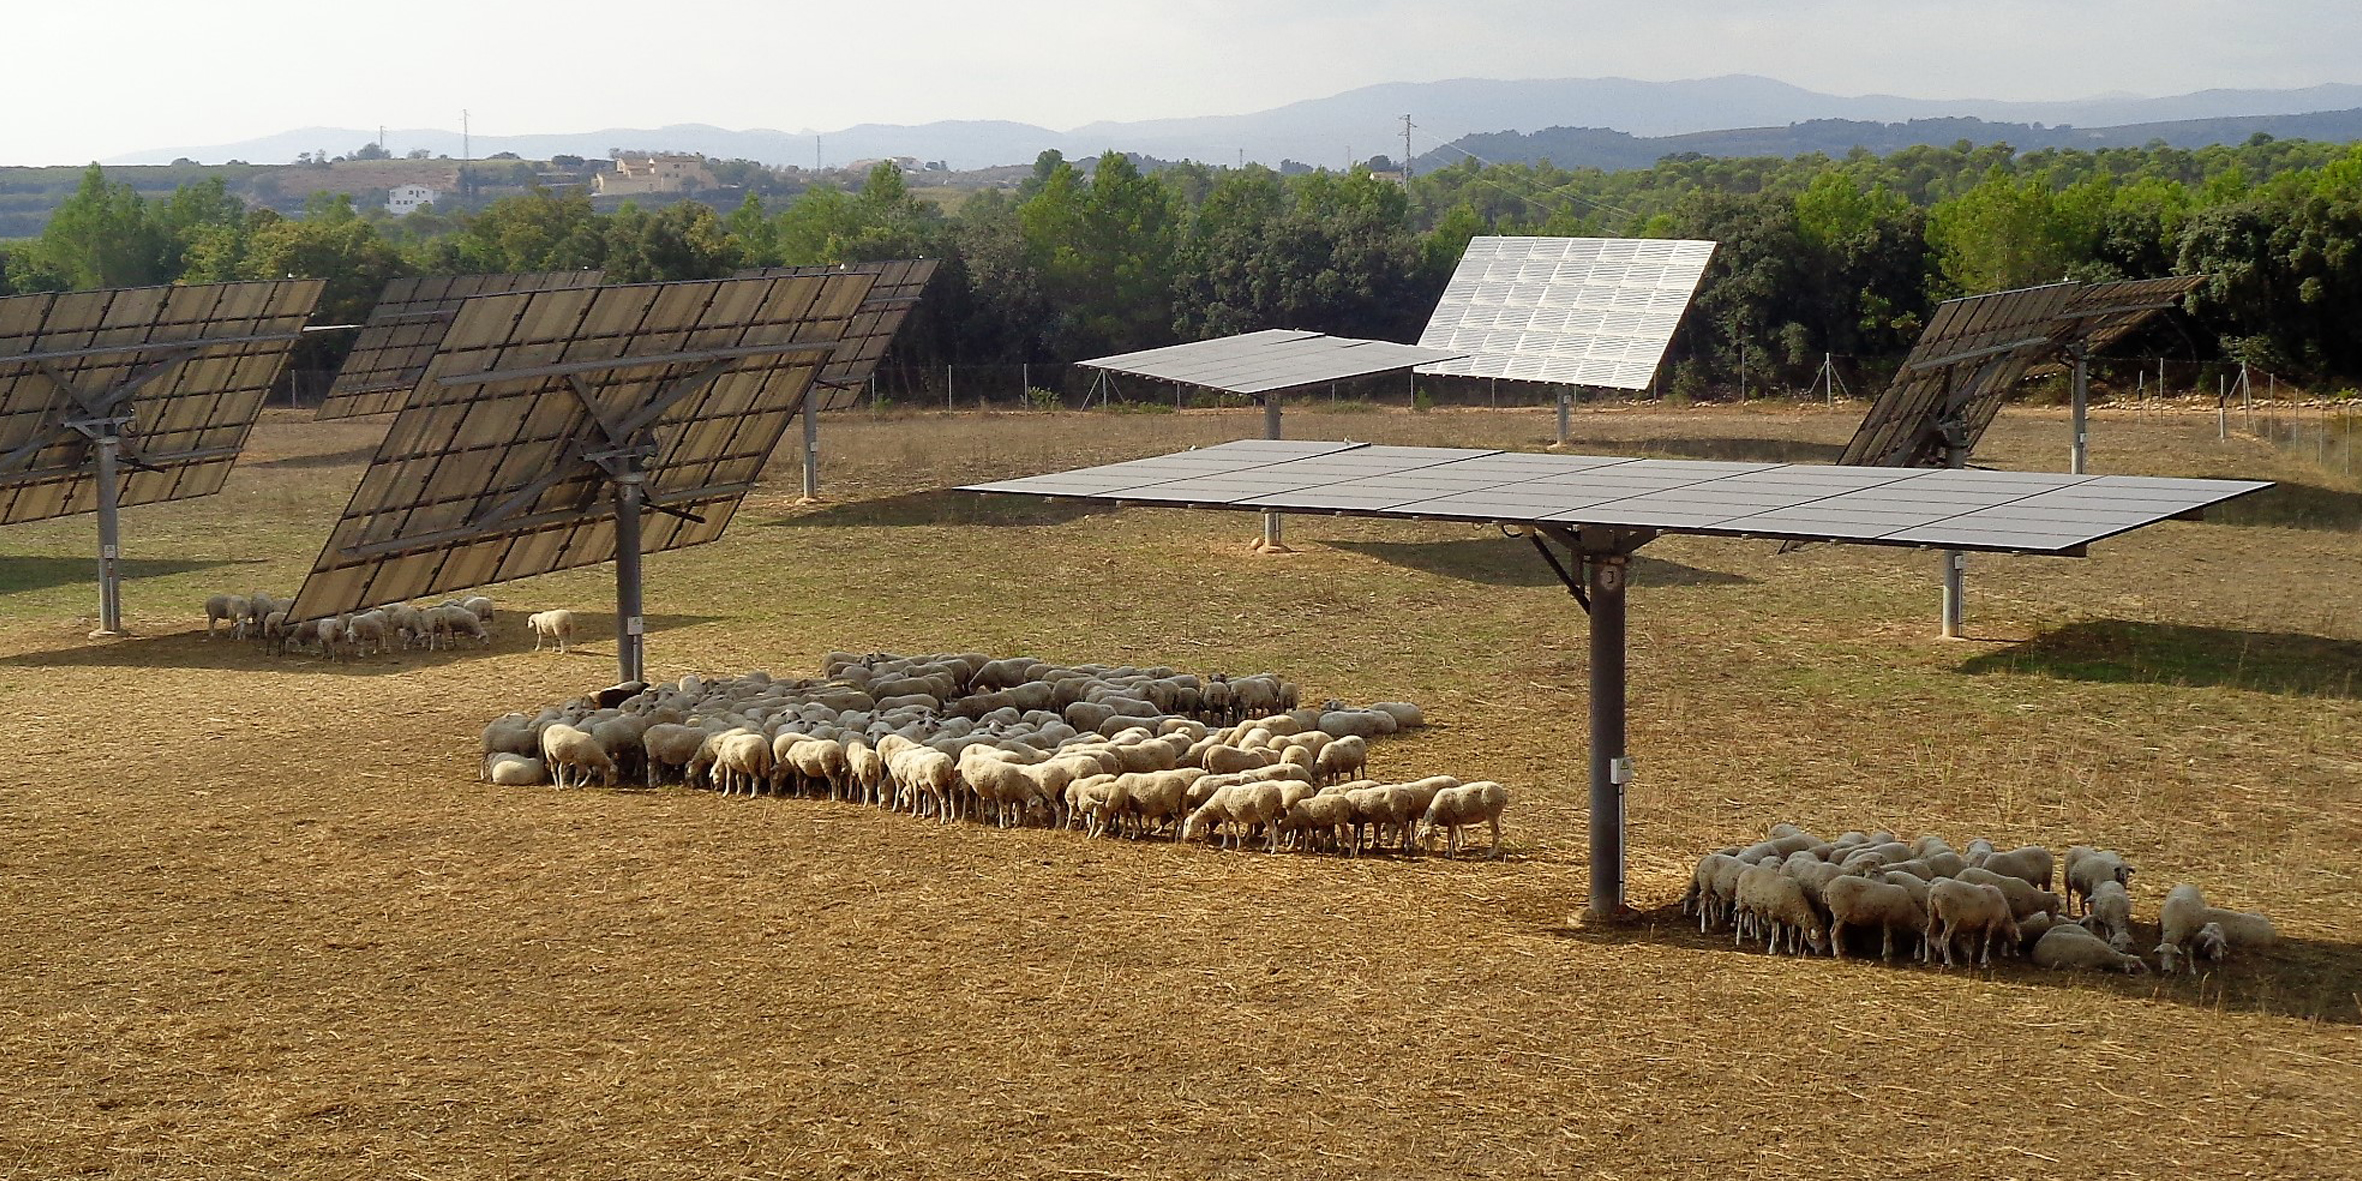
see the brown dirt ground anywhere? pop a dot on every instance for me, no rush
(256, 916)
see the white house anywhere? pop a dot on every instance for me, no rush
(402, 200)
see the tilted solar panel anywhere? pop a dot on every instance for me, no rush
(895, 291)
(182, 371)
(1566, 311)
(503, 463)
(409, 320)
(2006, 512)
(1268, 362)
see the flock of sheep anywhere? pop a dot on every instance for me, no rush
(1135, 752)
(263, 618)
(1795, 890)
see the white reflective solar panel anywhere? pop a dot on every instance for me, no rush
(1567, 311)
(2007, 512)
(1270, 361)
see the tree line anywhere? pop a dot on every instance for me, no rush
(1818, 254)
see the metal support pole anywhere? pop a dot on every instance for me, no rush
(110, 581)
(1955, 592)
(629, 626)
(1603, 576)
(811, 445)
(2079, 449)
(1271, 527)
(1565, 410)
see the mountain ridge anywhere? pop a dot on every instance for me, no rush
(1334, 130)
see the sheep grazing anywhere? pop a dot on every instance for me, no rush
(566, 749)
(229, 609)
(1855, 901)
(1958, 910)
(2024, 899)
(2067, 946)
(1320, 820)
(478, 605)
(2087, 867)
(1774, 907)
(2178, 920)
(556, 627)
(2030, 864)
(1455, 808)
(2111, 914)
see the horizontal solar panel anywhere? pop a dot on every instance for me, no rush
(2009, 512)
(187, 367)
(1566, 311)
(1270, 361)
(894, 291)
(409, 320)
(498, 465)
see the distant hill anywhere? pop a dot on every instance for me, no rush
(1598, 147)
(1328, 131)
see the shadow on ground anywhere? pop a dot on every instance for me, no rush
(350, 455)
(1734, 450)
(190, 649)
(941, 506)
(2127, 652)
(1501, 561)
(35, 573)
(2309, 979)
(2294, 506)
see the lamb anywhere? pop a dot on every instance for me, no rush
(1775, 906)
(564, 749)
(554, 626)
(1860, 902)
(2087, 867)
(2030, 864)
(1958, 910)
(513, 770)
(2111, 913)
(229, 609)
(2069, 946)
(1455, 808)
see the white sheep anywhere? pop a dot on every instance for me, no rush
(2111, 913)
(2024, 898)
(1775, 907)
(513, 770)
(567, 749)
(553, 626)
(229, 609)
(1958, 910)
(1860, 902)
(479, 605)
(1455, 808)
(2029, 863)
(2087, 867)
(2070, 946)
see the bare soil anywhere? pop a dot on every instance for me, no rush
(257, 916)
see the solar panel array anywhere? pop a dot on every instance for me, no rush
(895, 291)
(201, 359)
(1568, 311)
(1975, 350)
(1271, 361)
(409, 320)
(2008, 512)
(492, 470)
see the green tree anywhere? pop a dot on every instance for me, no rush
(102, 236)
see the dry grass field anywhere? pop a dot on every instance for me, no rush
(258, 918)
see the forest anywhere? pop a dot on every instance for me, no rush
(1819, 255)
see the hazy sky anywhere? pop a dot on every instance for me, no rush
(91, 80)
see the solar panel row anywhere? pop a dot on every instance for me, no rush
(186, 369)
(409, 320)
(501, 464)
(2014, 512)
(894, 292)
